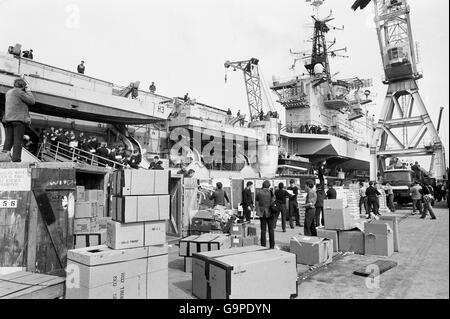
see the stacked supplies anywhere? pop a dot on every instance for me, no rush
(135, 256)
(90, 217)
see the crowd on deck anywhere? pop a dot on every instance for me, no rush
(306, 128)
(79, 146)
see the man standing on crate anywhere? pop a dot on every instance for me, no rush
(17, 117)
(293, 205)
(362, 198)
(310, 210)
(247, 201)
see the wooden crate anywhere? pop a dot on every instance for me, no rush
(26, 285)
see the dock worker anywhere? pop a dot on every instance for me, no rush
(294, 213)
(362, 199)
(321, 172)
(320, 220)
(372, 199)
(158, 166)
(331, 192)
(310, 210)
(427, 196)
(219, 196)
(282, 200)
(152, 87)
(416, 196)
(81, 67)
(152, 164)
(229, 113)
(264, 199)
(186, 97)
(247, 201)
(16, 117)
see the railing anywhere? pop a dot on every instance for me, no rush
(62, 152)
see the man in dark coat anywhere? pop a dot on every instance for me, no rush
(247, 201)
(294, 213)
(16, 117)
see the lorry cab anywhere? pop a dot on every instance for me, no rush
(400, 180)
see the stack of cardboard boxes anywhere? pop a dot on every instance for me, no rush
(251, 272)
(90, 218)
(243, 234)
(301, 200)
(134, 261)
(350, 234)
(201, 243)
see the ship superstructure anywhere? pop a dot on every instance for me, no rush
(326, 118)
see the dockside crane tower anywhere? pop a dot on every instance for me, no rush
(253, 85)
(403, 108)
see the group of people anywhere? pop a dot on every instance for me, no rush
(306, 128)
(422, 198)
(369, 198)
(270, 204)
(71, 143)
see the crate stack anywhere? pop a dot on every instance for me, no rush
(301, 200)
(134, 261)
(90, 218)
(383, 209)
(201, 243)
(243, 234)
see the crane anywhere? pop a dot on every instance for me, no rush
(253, 85)
(403, 111)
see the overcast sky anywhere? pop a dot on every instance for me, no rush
(182, 44)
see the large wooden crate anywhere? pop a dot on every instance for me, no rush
(37, 204)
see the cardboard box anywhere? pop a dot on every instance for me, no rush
(351, 241)
(188, 264)
(79, 194)
(154, 233)
(85, 209)
(102, 273)
(129, 209)
(312, 250)
(393, 222)
(334, 204)
(338, 219)
(238, 230)
(201, 265)
(122, 236)
(91, 195)
(101, 212)
(330, 234)
(158, 272)
(81, 225)
(241, 275)
(102, 223)
(80, 240)
(251, 230)
(379, 239)
(141, 182)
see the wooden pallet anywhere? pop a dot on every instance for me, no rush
(27, 285)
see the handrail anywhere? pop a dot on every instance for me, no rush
(75, 154)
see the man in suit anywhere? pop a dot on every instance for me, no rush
(372, 199)
(247, 201)
(293, 205)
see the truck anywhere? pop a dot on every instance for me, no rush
(401, 180)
